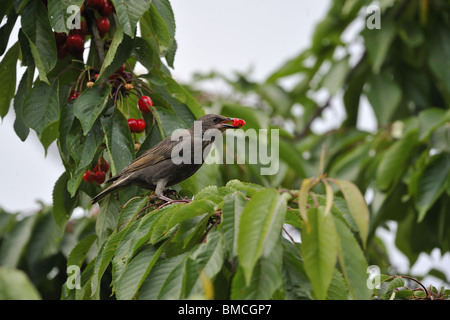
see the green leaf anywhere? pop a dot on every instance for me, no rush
(119, 51)
(25, 50)
(137, 270)
(104, 257)
(165, 11)
(296, 282)
(129, 13)
(41, 106)
(148, 35)
(123, 251)
(432, 183)
(90, 105)
(396, 282)
(245, 187)
(80, 251)
(190, 210)
(15, 285)
(159, 227)
(184, 96)
(395, 161)
(66, 121)
(440, 139)
(247, 113)
(378, 42)
(266, 278)
(439, 51)
(259, 228)
(429, 119)
(384, 95)
(63, 203)
(292, 157)
(44, 239)
(58, 15)
(168, 121)
(5, 30)
(75, 180)
(352, 261)
(337, 289)
(130, 211)
(107, 218)
(319, 248)
(208, 259)
(7, 222)
(160, 28)
(8, 78)
(36, 27)
(83, 148)
(292, 66)
(348, 165)
(118, 141)
(14, 244)
(233, 205)
(357, 207)
(25, 84)
(335, 77)
(353, 90)
(143, 53)
(165, 280)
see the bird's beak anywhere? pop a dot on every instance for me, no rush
(225, 124)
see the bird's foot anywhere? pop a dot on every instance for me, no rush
(170, 201)
(168, 192)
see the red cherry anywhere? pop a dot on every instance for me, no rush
(144, 103)
(89, 176)
(60, 38)
(121, 69)
(73, 95)
(95, 4)
(132, 123)
(75, 44)
(106, 9)
(62, 51)
(102, 165)
(238, 122)
(100, 177)
(84, 31)
(140, 125)
(103, 25)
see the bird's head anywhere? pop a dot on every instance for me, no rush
(217, 121)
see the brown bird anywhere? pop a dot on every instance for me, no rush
(157, 168)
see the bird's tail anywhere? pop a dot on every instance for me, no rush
(114, 187)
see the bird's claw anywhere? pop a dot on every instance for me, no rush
(170, 201)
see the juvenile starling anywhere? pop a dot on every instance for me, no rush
(156, 168)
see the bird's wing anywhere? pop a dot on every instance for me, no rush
(159, 152)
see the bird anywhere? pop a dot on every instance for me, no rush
(157, 169)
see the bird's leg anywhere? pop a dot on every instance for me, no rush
(159, 192)
(171, 192)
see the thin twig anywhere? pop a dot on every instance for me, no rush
(318, 112)
(96, 39)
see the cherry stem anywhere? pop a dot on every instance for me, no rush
(412, 279)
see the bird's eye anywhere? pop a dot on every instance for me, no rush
(216, 120)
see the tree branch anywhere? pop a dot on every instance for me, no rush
(320, 109)
(95, 35)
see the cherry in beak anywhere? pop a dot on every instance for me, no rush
(235, 123)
